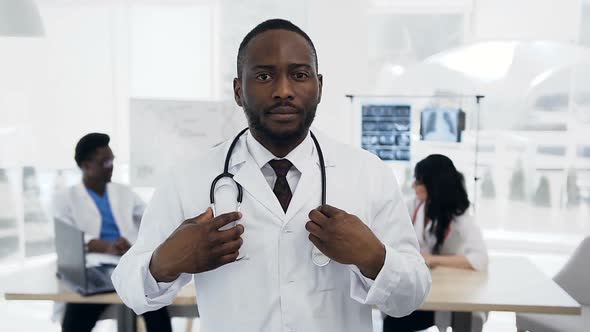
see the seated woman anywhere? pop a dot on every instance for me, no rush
(446, 231)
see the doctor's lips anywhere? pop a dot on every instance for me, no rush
(282, 108)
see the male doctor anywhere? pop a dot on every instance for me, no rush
(257, 269)
(108, 214)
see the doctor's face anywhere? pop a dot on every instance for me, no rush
(100, 165)
(420, 189)
(279, 88)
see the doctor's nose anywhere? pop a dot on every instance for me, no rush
(283, 89)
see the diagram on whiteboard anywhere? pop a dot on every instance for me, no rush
(164, 132)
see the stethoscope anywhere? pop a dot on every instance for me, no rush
(317, 256)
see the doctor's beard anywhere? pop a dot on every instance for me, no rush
(255, 122)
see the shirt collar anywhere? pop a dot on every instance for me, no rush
(95, 195)
(299, 157)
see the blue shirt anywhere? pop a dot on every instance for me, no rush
(108, 228)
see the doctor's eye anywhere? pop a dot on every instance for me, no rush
(301, 75)
(263, 77)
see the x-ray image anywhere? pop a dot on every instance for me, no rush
(386, 131)
(403, 139)
(442, 124)
(387, 139)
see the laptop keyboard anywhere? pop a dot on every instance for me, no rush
(97, 278)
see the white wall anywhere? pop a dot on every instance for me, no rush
(97, 54)
(341, 41)
(59, 89)
(79, 77)
(556, 20)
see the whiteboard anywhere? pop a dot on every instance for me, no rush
(165, 132)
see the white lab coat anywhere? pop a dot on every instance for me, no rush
(75, 205)
(278, 288)
(464, 238)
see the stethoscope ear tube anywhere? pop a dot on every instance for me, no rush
(227, 174)
(322, 166)
(231, 150)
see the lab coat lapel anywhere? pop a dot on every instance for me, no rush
(250, 177)
(308, 188)
(87, 211)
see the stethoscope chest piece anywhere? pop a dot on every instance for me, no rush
(318, 257)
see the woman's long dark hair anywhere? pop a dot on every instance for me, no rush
(447, 197)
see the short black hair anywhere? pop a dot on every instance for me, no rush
(273, 24)
(88, 144)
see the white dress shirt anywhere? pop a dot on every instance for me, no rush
(278, 288)
(297, 156)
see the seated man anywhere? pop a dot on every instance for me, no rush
(106, 212)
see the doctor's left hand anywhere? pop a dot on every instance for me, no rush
(198, 245)
(346, 239)
(122, 245)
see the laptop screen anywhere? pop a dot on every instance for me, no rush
(69, 245)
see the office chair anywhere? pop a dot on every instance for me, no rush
(573, 278)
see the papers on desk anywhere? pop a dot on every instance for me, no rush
(97, 259)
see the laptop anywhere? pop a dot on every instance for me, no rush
(71, 263)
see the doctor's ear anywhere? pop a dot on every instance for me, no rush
(320, 85)
(238, 91)
(83, 166)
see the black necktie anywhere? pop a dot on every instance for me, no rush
(281, 189)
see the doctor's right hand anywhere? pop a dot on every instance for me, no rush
(197, 245)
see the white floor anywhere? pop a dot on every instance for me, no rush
(35, 316)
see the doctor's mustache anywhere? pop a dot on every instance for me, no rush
(282, 104)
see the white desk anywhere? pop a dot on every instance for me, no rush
(511, 284)
(39, 283)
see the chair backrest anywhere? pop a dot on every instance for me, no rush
(574, 277)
